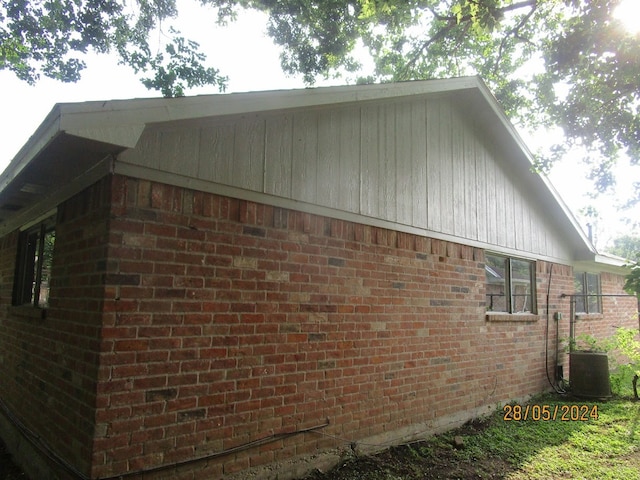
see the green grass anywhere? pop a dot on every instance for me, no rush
(602, 448)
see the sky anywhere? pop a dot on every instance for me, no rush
(247, 56)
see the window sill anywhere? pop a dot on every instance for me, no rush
(512, 317)
(589, 316)
(28, 311)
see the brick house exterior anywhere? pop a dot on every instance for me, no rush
(200, 328)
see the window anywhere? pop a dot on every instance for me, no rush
(587, 292)
(510, 284)
(33, 266)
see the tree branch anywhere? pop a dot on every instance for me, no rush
(452, 21)
(515, 33)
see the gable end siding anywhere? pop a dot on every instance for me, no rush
(421, 163)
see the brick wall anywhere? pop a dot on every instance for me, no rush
(228, 321)
(50, 364)
(184, 325)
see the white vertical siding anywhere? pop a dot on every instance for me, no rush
(338, 159)
(470, 176)
(388, 164)
(216, 153)
(444, 164)
(305, 156)
(350, 158)
(278, 155)
(374, 192)
(420, 162)
(434, 159)
(483, 189)
(457, 171)
(178, 147)
(248, 154)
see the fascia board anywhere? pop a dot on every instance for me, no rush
(238, 103)
(603, 263)
(613, 260)
(122, 120)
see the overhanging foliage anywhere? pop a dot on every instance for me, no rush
(564, 63)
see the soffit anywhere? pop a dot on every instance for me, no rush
(65, 159)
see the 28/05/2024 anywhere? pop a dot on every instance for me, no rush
(545, 413)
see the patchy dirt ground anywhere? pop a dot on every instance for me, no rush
(432, 459)
(435, 458)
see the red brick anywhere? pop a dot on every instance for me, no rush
(260, 319)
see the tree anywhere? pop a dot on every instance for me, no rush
(626, 246)
(50, 37)
(564, 63)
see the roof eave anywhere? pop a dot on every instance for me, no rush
(43, 136)
(121, 122)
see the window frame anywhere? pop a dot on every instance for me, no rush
(584, 296)
(509, 285)
(30, 271)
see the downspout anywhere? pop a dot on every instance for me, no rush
(572, 322)
(557, 376)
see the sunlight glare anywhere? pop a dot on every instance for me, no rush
(628, 12)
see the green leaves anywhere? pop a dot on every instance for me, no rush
(565, 63)
(318, 37)
(41, 37)
(632, 280)
(181, 68)
(50, 38)
(599, 63)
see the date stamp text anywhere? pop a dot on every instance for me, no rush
(546, 413)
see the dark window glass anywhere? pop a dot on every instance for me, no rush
(33, 266)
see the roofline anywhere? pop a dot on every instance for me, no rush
(603, 263)
(37, 142)
(121, 122)
(152, 110)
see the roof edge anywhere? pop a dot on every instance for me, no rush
(121, 122)
(87, 115)
(48, 130)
